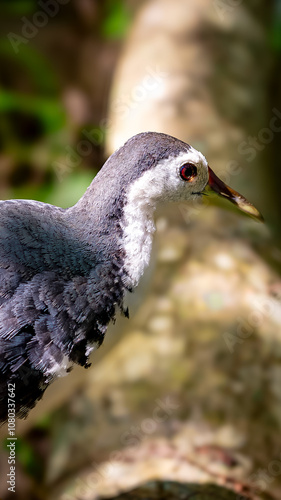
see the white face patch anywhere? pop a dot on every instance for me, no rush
(162, 183)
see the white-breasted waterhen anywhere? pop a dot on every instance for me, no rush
(64, 272)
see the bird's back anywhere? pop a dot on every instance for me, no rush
(53, 291)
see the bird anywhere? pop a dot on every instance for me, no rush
(65, 273)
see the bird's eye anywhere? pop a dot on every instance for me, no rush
(188, 171)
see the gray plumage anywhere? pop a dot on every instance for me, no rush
(61, 272)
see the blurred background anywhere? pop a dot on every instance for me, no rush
(190, 388)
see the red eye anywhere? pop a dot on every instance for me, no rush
(188, 171)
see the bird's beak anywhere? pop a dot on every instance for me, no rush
(227, 192)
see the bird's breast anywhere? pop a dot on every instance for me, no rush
(138, 228)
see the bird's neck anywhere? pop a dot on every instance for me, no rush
(123, 218)
(137, 228)
(122, 215)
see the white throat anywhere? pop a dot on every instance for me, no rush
(138, 229)
(160, 183)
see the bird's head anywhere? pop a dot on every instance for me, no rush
(171, 170)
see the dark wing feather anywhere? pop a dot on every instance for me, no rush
(51, 299)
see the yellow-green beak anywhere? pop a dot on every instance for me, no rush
(222, 189)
